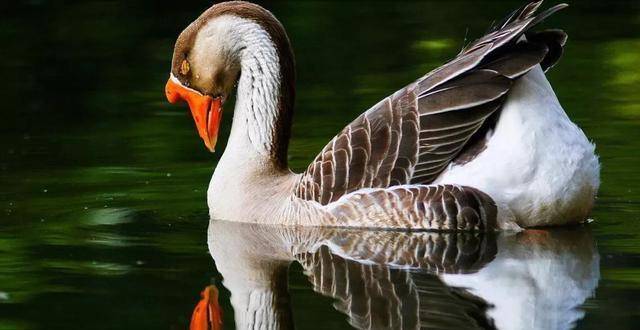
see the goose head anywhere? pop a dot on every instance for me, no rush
(235, 44)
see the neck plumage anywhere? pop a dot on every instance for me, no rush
(264, 103)
(261, 303)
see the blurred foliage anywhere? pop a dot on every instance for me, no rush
(103, 206)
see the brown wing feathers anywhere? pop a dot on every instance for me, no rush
(453, 107)
(438, 207)
(413, 135)
(554, 40)
(376, 150)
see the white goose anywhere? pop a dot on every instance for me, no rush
(480, 143)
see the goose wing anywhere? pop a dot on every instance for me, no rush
(411, 136)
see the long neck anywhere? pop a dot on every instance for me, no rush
(254, 264)
(264, 103)
(259, 302)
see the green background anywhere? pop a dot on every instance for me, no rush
(103, 211)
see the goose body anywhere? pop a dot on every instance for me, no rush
(480, 143)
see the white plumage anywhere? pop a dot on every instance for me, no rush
(538, 166)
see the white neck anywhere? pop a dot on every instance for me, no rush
(261, 305)
(254, 153)
(253, 131)
(255, 270)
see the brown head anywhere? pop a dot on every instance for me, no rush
(207, 64)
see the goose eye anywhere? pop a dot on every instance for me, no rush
(184, 67)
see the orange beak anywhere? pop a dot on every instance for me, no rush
(206, 110)
(207, 315)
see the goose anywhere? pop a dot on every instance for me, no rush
(385, 279)
(480, 143)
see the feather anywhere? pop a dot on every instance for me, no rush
(544, 15)
(518, 61)
(463, 96)
(410, 137)
(554, 40)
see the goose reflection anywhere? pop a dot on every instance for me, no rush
(409, 280)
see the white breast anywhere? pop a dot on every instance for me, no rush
(538, 166)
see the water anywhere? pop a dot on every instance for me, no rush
(103, 219)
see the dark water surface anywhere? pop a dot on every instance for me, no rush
(103, 217)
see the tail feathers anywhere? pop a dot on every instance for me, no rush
(527, 11)
(554, 40)
(508, 35)
(547, 13)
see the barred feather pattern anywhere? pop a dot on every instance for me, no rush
(373, 288)
(437, 207)
(410, 137)
(432, 252)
